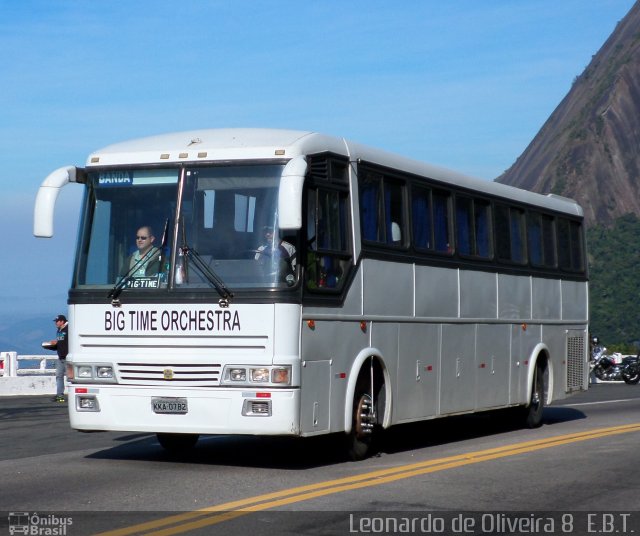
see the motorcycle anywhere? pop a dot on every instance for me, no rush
(609, 368)
(606, 369)
(631, 370)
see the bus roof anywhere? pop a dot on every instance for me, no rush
(210, 145)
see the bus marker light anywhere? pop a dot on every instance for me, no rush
(311, 324)
(524, 327)
(363, 326)
(263, 395)
(482, 365)
(428, 368)
(279, 152)
(341, 375)
(280, 375)
(81, 390)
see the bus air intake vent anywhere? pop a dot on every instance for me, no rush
(575, 360)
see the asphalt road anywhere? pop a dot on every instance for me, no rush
(481, 474)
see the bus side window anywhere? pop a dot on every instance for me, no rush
(570, 253)
(473, 225)
(442, 221)
(549, 241)
(464, 229)
(421, 213)
(327, 256)
(393, 211)
(509, 229)
(534, 238)
(482, 228)
(369, 208)
(382, 209)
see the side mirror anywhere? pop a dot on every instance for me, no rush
(47, 196)
(290, 194)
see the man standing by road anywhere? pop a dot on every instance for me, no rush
(61, 345)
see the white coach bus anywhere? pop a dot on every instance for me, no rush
(298, 284)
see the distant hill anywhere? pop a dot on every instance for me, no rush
(589, 150)
(614, 295)
(24, 334)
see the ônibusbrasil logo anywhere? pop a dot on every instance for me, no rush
(38, 525)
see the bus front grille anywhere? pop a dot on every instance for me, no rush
(194, 375)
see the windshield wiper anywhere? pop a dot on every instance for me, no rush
(121, 284)
(209, 274)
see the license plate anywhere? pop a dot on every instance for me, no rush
(169, 405)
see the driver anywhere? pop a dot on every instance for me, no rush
(276, 250)
(146, 259)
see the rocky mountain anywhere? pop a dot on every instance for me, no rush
(589, 148)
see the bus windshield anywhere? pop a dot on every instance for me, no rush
(184, 228)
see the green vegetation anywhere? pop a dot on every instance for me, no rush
(614, 266)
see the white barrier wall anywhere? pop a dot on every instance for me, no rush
(15, 381)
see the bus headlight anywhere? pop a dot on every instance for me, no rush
(248, 375)
(104, 372)
(238, 375)
(84, 372)
(91, 373)
(260, 375)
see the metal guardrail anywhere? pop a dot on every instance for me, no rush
(10, 365)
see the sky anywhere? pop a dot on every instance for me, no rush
(464, 84)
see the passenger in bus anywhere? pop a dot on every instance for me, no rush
(276, 250)
(145, 261)
(396, 233)
(322, 271)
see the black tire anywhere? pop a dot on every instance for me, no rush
(360, 440)
(177, 443)
(533, 412)
(631, 375)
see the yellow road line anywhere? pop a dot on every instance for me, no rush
(212, 515)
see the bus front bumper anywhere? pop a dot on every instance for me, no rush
(193, 411)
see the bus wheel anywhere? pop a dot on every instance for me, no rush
(177, 443)
(360, 439)
(533, 413)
